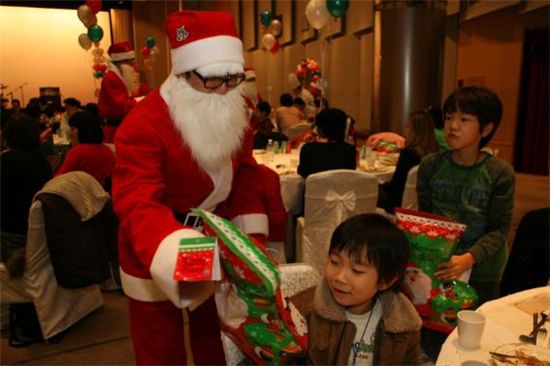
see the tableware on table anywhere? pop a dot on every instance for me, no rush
(520, 354)
(532, 337)
(470, 328)
(542, 337)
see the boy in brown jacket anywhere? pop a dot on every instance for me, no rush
(356, 315)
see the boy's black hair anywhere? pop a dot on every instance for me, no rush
(477, 101)
(386, 246)
(437, 116)
(88, 126)
(286, 99)
(331, 123)
(264, 107)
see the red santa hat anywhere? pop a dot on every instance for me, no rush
(249, 74)
(204, 41)
(121, 51)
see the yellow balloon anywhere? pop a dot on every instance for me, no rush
(85, 15)
(84, 41)
(276, 28)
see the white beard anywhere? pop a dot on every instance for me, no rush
(129, 74)
(212, 125)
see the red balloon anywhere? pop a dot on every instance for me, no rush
(100, 67)
(94, 5)
(146, 52)
(275, 47)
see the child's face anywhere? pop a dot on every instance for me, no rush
(353, 285)
(462, 130)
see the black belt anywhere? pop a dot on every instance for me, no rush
(189, 219)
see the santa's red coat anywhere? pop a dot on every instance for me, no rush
(155, 175)
(114, 101)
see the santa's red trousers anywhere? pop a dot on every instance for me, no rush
(158, 339)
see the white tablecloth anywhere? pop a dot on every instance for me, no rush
(292, 184)
(506, 319)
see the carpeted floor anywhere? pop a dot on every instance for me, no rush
(102, 338)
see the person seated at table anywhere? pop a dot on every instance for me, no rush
(356, 314)
(24, 172)
(287, 115)
(330, 151)
(88, 153)
(472, 187)
(264, 131)
(419, 142)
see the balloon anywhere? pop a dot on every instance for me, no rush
(268, 41)
(276, 28)
(145, 52)
(98, 74)
(84, 41)
(99, 67)
(317, 14)
(337, 7)
(275, 47)
(97, 51)
(95, 33)
(85, 15)
(266, 17)
(150, 42)
(99, 59)
(94, 5)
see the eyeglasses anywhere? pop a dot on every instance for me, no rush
(215, 82)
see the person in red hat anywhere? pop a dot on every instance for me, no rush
(116, 95)
(183, 146)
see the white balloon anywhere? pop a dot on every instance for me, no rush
(268, 41)
(317, 13)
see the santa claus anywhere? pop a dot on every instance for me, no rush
(118, 87)
(185, 145)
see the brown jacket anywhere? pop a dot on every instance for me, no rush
(331, 335)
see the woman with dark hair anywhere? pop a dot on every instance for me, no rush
(24, 172)
(419, 141)
(88, 153)
(330, 151)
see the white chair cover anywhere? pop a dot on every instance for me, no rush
(410, 198)
(57, 308)
(330, 198)
(295, 277)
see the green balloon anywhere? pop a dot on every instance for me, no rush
(95, 33)
(337, 8)
(266, 17)
(150, 42)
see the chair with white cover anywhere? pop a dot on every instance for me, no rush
(330, 198)
(410, 198)
(57, 308)
(295, 277)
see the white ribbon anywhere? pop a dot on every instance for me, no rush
(340, 203)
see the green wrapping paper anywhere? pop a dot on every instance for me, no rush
(433, 239)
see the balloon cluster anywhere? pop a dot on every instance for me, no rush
(94, 35)
(308, 70)
(273, 31)
(319, 11)
(150, 53)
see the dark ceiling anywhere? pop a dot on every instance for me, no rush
(106, 4)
